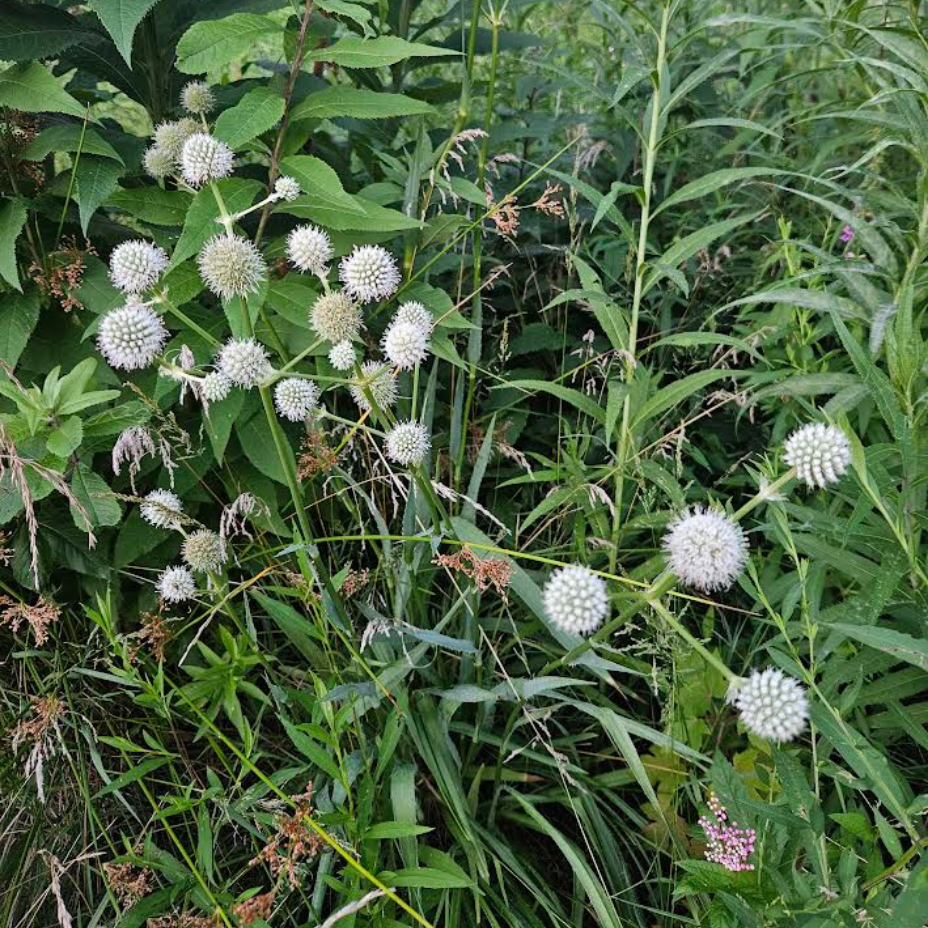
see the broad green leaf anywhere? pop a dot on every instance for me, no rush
(95, 180)
(30, 30)
(201, 224)
(324, 199)
(18, 315)
(426, 878)
(387, 830)
(677, 392)
(69, 138)
(354, 52)
(96, 497)
(259, 110)
(353, 11)
(888, 640)
(808, 299)
(575, 398)
(65, 438)
(12, 219)
(213, 43)
(358, 103)
(152, 204)
(120, 19)
(714, 181)
(31, 88)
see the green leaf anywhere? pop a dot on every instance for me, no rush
(69, 138)
(325, 200)
(65, 438)
(357, 103)
(809, 299)
(201, 224)
(18, 315)
(352, 11)
(900, 645)
(575, 398)
(426, 878)
(120, 19)
(387, 830)
(353, 52)
(259, 110)
(214, 43)
(96, 497)
(95, 180)
(31, 88)
(153, 205)
(12, 219)
(679, 390)
(31, 30)
(219, 420)
(714, 181)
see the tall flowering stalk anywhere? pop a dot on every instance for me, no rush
(727, 844)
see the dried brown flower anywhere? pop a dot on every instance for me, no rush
(355, 581)
(294, 841)
(550, 202)
(128, 882)
(38, 617)
(155, 633)
(315, 458)
(255, 908)
(485, 572)
(63, 274)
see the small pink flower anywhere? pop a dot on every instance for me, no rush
(847, 235)
(728, 844)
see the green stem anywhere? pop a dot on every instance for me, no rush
(695, 643)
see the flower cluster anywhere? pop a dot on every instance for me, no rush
(576, 600)
(727, 844)
(771, 705)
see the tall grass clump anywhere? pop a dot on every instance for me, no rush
(463, 464)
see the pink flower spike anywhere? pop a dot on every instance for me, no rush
(727, 845)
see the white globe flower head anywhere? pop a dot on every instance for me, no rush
(335, 317)
(197, 98)
(244, 362)
(414, 313)
(287, 188)
(576, 600)
(405, 344)
(369, 273)
(342, 356)
(131, 337)
(176, 585)
(295, 398)
(706, 549)
(310, 249)
(170, 136)
(204, 158)
(771, 705)
(215, 387)
(204, 550)
(820, 453)
(135, 266)
(377, 381)
(162, 509)
(231, 266)
(408, 443)
(158, 162)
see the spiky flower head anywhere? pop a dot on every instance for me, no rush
(413, 313)
(342, 356)
(369, 273)
(231, 266)
(197, 98)
(376, 380)
(335, 317)
(408, 443)
(820, 453)
(162, 508)
(287, 188)
(310, 250)
(158, 162)
(405, 344)
(771, 705)
(204, 158)
(244, 362)
(215, 387)
(170, 136)
(131, 337)
(295, 398)
(706, 549)
(576, 600)
(176, 584)
(135, 266)
(204, 550)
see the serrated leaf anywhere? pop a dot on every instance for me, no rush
(18, 315)
(153, 205)
(213, 43)
(65, 439)
(30, 30)
(259, 110)
(325, 200)
(120, 18)
(69, 138)
(358, 103)
(31, 88)
(95, 180)
(12, 219)
(353, 52)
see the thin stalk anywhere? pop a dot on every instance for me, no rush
(623, 448)
(694, 643)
